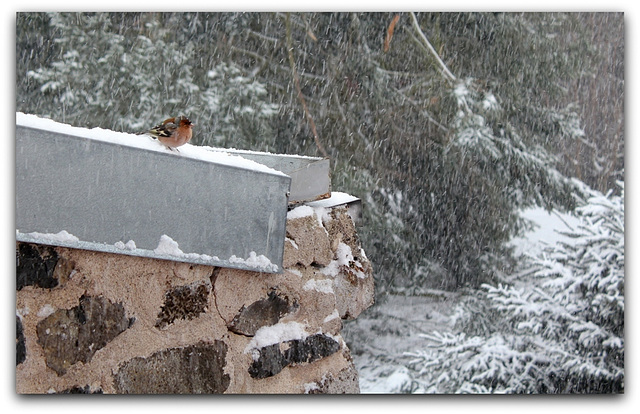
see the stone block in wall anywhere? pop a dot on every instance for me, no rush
(21, 349)
(193, 369)
(263, 312)
(184, 302)
(39, 265)
(271, 359)
(307, 242)
(348, 267)
(68, 336)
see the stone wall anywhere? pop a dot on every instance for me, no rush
(92, 322)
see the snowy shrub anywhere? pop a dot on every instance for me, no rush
(560, 330)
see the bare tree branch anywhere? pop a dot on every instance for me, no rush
(447, 73)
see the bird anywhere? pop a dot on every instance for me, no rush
(172, 132)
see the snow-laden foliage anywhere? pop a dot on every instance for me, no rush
(241, 107)
(130, 83)
(560, 329)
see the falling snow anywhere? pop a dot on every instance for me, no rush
(454, 131)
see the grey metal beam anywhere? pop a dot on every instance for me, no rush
(310, 176)
(106, 194)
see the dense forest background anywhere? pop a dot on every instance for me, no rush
(445, 124)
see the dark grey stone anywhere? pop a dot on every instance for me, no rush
(264, 312)
(272, 360)
(21, 349)
(194, 369)
(35, 265)
(71, 335)
(311, 349)
(81, 390)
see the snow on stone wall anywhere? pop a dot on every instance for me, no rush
(96, 322)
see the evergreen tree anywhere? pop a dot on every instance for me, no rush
(558, 330)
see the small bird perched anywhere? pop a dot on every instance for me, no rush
(173, 132)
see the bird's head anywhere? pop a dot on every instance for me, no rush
(184, 121)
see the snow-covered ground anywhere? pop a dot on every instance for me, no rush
(548, 229)
(379, 337)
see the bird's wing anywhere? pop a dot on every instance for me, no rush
(164, 129)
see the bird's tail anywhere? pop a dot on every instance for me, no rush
(147, 134)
